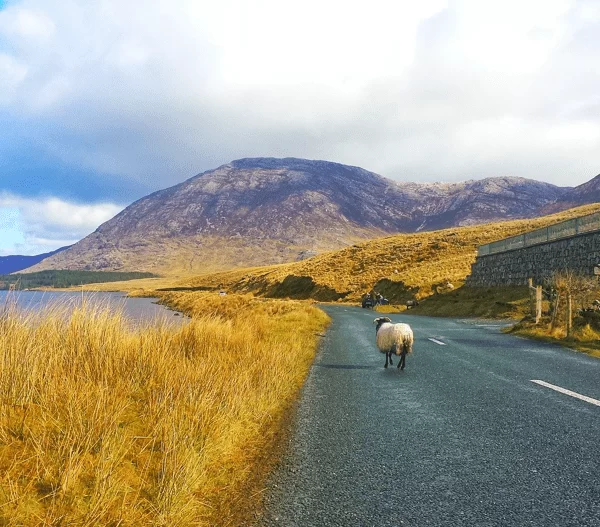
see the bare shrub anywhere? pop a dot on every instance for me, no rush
(569, 292)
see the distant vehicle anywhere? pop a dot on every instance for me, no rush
(222, 293)
(380, 300)
(368, 302)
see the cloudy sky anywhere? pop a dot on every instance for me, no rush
(104, 102)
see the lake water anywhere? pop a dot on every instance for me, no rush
(138, 310)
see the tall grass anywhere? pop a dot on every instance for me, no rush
(105, 424)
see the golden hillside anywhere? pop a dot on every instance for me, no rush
(401, 266)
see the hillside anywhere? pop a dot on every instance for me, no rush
(264, 211)
(588, 192)
(401, 267)
(15, 263)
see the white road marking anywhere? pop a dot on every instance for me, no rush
(437, 341)
(567, 392)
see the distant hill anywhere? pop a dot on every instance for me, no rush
(588, 192)
(486, 200)
(12, 264)
(261, 211)
(401, 267)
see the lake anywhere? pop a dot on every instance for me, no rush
(138, 310)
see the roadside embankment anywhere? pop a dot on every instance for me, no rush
(584, 338)
(477, 302)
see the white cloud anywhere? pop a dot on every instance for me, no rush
(27, 24)
(12, 74)
(42, 225)
(440, 90)
(340, 43)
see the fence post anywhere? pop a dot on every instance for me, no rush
(535, 300)
(569, 315)
(531, 296)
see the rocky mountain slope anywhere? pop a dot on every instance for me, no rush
(265, 210)
(588, 192)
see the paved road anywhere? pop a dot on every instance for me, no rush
(460, 437)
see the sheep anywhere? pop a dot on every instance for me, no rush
(393, 338)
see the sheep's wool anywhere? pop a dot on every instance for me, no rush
(390, 334)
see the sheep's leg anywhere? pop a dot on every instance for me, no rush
(402, 359)
(387, 353)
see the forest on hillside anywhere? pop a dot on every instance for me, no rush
(64, 278)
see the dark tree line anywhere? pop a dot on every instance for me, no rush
(65, 278)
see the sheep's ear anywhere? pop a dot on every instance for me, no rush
(386, 319)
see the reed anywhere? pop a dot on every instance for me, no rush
(102, 423)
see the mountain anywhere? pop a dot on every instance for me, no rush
(480, 201)
(583, 194)
(12, 264)
(264, 210)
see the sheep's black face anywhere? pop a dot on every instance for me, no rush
(380, 321)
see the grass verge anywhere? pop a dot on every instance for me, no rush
(584, 338)
(105, 424)
(479, 302)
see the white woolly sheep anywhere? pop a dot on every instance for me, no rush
(393, 338)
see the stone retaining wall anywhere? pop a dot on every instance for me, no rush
(578, 253)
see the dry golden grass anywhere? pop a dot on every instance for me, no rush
(401, 266)
(102, 423)
(482, 302)
(584, 339)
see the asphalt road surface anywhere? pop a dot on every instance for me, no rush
(462, 436)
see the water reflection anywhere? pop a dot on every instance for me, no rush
(140, 311)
